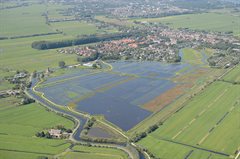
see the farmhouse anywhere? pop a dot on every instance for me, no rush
(20, 75)
(55, 133)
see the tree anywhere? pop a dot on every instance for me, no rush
(61, 64)
(69, 131)
(94, 66)
(40, 134)
(47, 135)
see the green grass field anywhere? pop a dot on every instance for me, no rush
(115, 21)
(19, 125)
(202, 123)
(23, 21)
(192, 56)
(54, 11)
(234, 75)
(21, 56)
(83, 152)
(222, 22)
(75, 28)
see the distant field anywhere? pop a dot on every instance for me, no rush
(19, 124)
(75, 28)
(205, 21)
(234, 75)
(191, 56)
(83, 152)
(20, 55)
(203, 122)
(23, 21)
(115, 21)
(55, 10)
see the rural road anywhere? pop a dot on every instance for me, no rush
(79, 119)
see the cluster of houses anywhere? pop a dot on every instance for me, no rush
(157, 43)
(146, 10)
(10, 92)
(81, 51)
(17, 79)
(194, 36)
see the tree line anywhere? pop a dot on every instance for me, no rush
(44, 45)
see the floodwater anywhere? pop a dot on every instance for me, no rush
(120, 102)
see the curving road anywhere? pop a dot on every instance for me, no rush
(80, 120)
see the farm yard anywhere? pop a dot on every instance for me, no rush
(202, 125)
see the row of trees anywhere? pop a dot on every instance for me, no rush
(93, 57)
(44, 45)
(142, 135)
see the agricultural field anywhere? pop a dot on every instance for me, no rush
(233, 75)
(193, 56)
(115, 21)
(219, 22)
(55, 11)
(23, 21)
(21, 56)
(83, 152)
(202, 125)
(19, 124)
(75, 28)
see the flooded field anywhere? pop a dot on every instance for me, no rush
(119, 94)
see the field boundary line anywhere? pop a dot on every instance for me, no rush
(238, 155)
(199, 148)
(199, 114)
(22, 151)
(67, 79)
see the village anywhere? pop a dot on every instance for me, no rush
(161, 44)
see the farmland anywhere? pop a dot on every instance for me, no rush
(79, 152)
(133, 90)
(234, 75)
(21, 56)
(192, 56)
(75, 28)
(19, 124)
(23, 21)
(219, 22)
(200, 124)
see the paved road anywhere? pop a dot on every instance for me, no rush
(80, 123)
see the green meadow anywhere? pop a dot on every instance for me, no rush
(220, 22)
(19, 124)
(192, 56)
(75, 28)
(23, 21)
(21, 56)
(83, 152)
(233, 75)
(208, 121)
